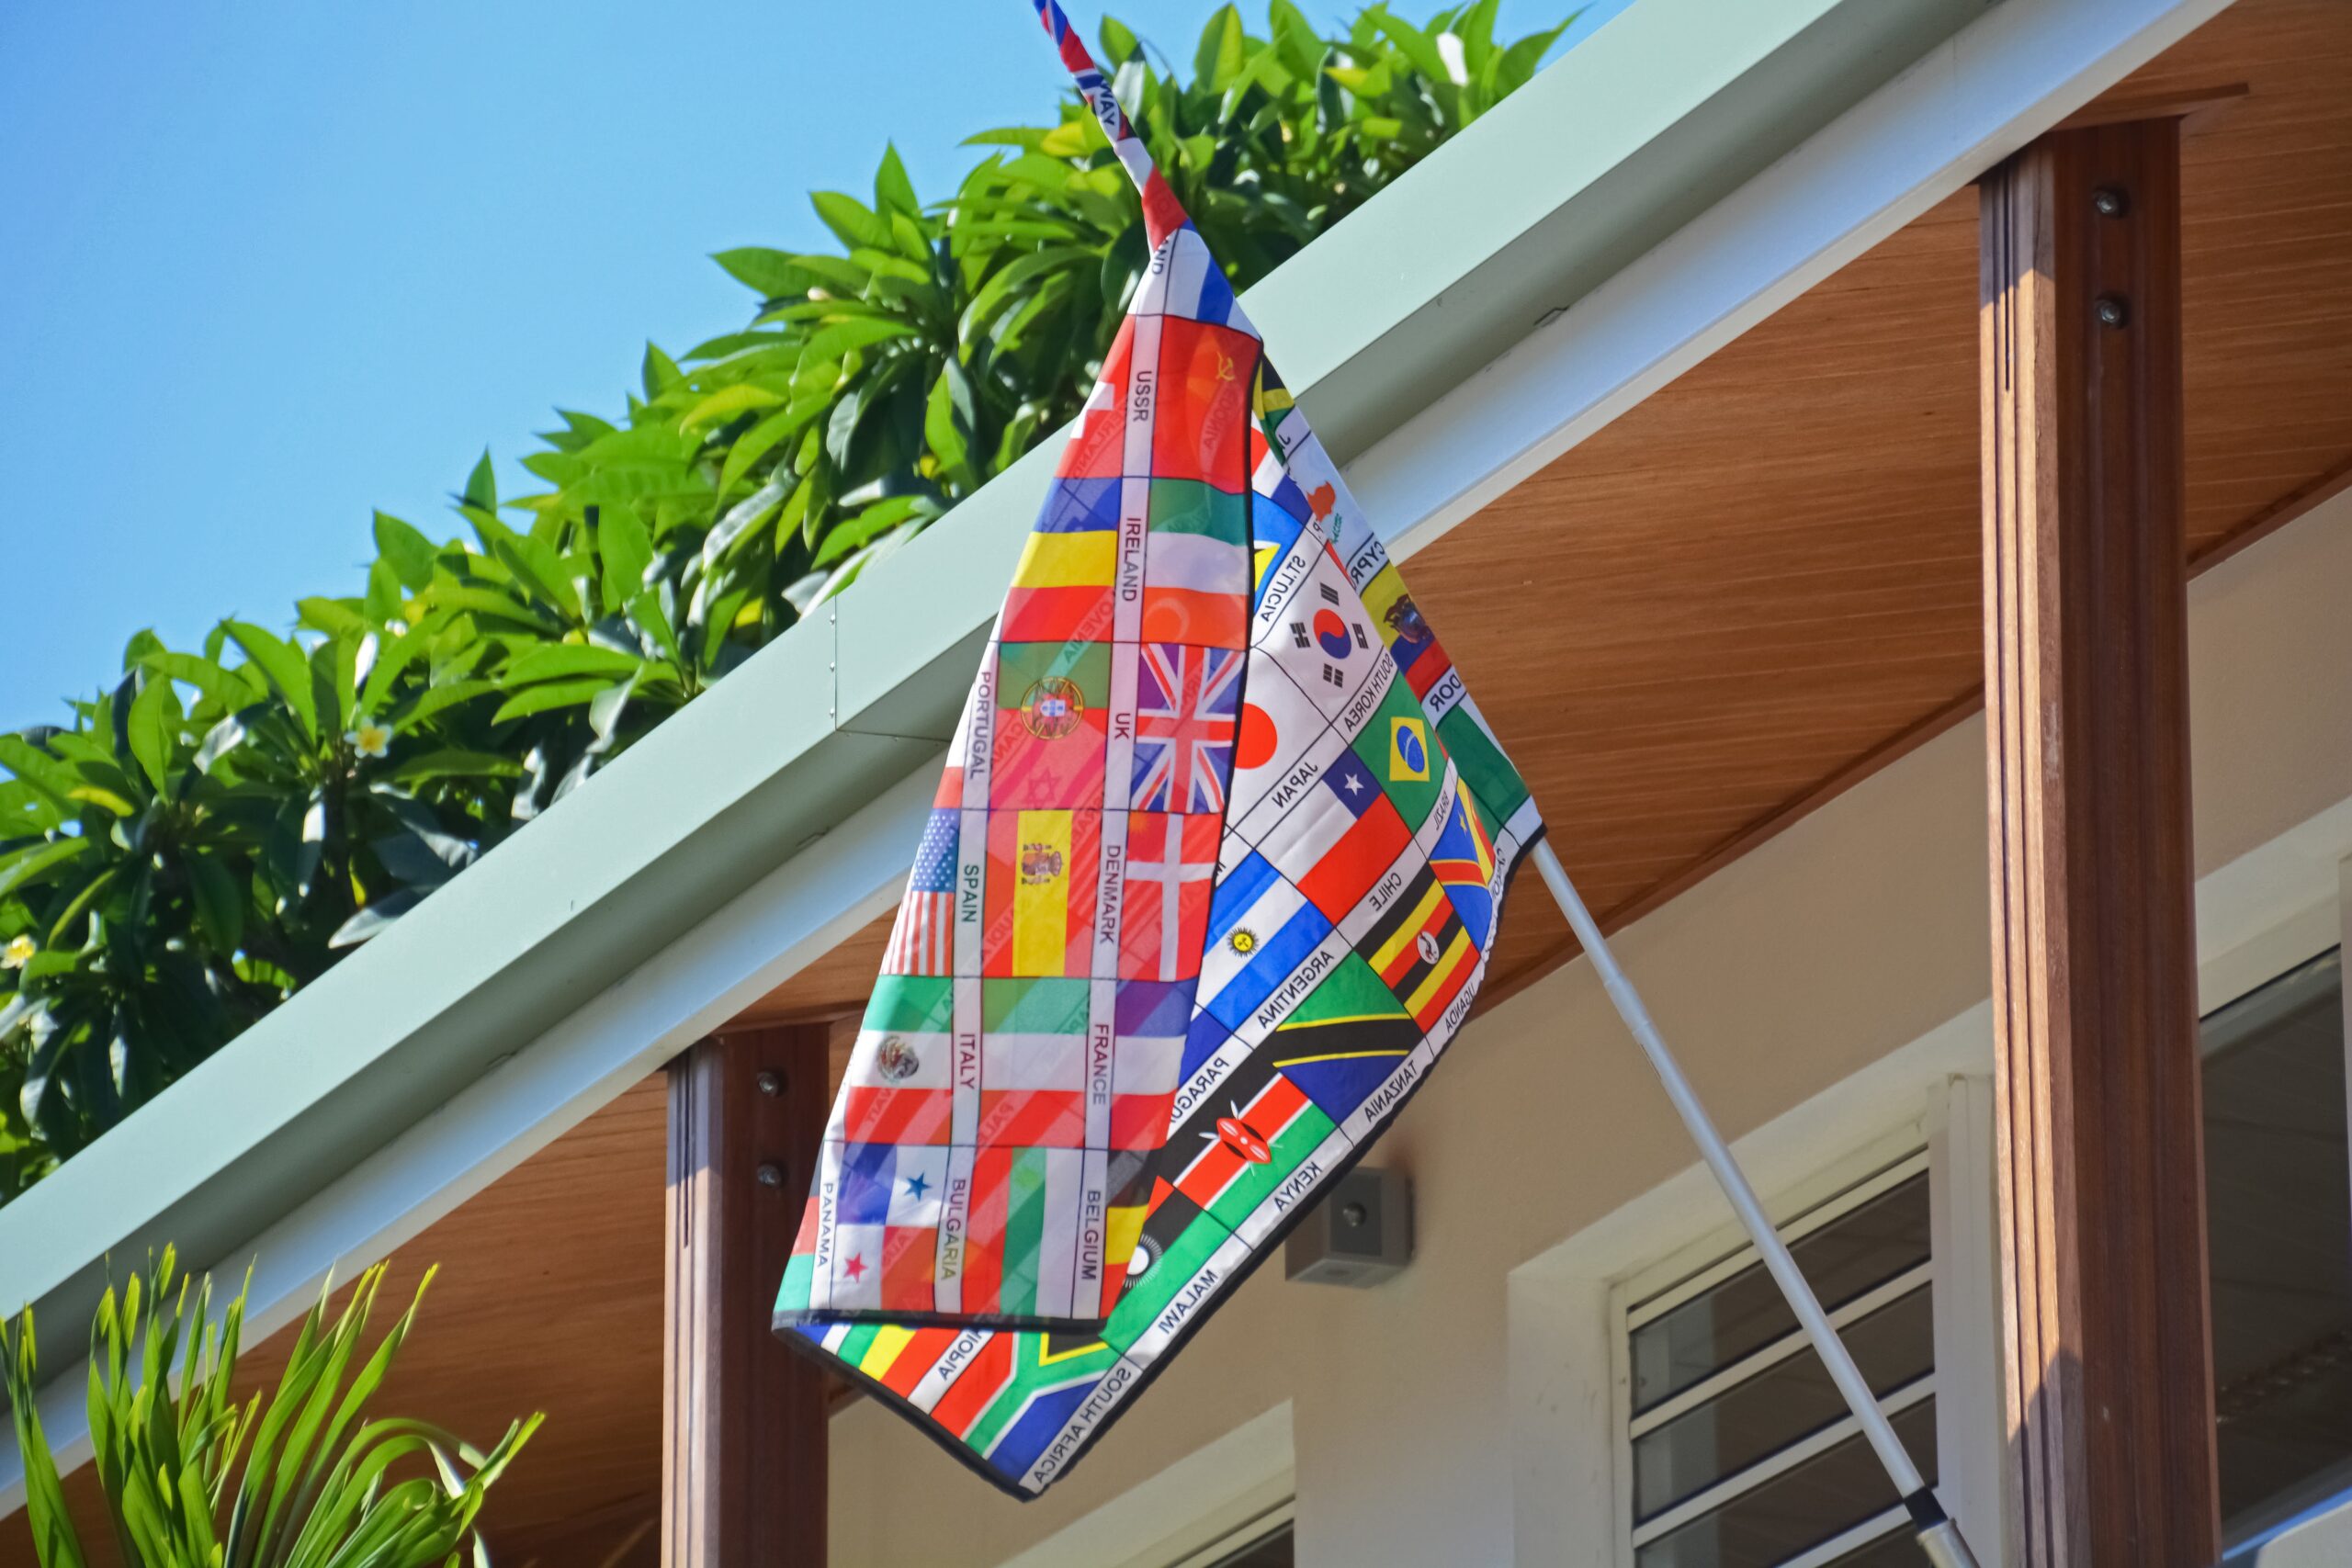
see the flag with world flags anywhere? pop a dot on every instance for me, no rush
(1209, 883)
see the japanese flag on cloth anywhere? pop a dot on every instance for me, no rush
(1208, 886)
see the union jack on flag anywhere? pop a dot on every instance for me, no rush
(1211, 885)
(1188, 706)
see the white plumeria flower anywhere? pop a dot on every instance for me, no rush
(370, 740)
(17, 954)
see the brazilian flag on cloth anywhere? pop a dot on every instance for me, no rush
(1208, 885)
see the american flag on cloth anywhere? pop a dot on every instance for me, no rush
(1209, 884)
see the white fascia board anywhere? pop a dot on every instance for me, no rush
(319, 1131)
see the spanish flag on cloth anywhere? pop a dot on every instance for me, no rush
(1208, 885)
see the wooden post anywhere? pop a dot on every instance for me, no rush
(743, 1418)
(2109, 1381)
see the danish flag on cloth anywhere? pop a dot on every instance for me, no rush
(1209, 884)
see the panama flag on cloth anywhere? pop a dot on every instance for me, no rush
(1208, 885)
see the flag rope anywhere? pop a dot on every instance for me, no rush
(1938, 1535)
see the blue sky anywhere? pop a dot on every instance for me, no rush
(266, 267)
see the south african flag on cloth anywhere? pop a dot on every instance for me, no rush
(1209, 883)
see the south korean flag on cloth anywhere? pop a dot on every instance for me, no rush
(1281, 989)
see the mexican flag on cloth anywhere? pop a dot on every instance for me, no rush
(1208, 885)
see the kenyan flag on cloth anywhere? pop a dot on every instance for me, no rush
(1208, 885)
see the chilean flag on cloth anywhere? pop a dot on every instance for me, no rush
(1210, 884)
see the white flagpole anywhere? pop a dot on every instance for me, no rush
(1938, 1534)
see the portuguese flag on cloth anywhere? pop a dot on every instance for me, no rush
(1207, 887)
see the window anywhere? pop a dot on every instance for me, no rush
(1740, 1452)
(1267, 1552)
(1265, 1540)
(2278, 1238)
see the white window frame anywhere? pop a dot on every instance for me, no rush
(1570, 1381)
(1923, 1145)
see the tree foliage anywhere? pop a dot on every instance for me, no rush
(221, 825)
(306, 1477)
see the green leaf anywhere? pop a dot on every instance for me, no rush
(892, 190)
(446, 594)
(218, 742)
(942, 430)
(410, 553)
(1295, 37)
(868, 525)
(859, 332)
(626, 550)
(535, 565)
(103, 797)
(455, 763)
(770, 273)
(847, 216)
(647, 612)
(659, 372)
(332, 616)
(384, 592)
(1416, 45)
(374, 918)
(481, 485)
(394, 655)
(222, 688)
(756, 442)
(23, 867)
(551, 694)
(559, 660)
(154, 727)
(37, 767)
(1218, 57)
(219, 902)
(282, 665)
(728, 401)
(436, 698)
(143, 642)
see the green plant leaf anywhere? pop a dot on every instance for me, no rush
(547, 696)
(769, 273)
(282, 665)
(1218, 59)
(557, 661)
(451, 762)
(893, 192)
(410, 553)
(220, 901)
(627, 549)
(659, 372)
(481, 485)
(24, 866)
(726, 402)
(850, 222)
(154, 727)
